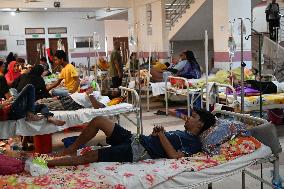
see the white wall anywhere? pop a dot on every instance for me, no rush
(115, 28)
(260, 23)
(76, 27)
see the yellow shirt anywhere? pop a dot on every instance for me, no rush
(68, 73)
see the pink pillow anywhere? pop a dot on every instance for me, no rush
(10, 165)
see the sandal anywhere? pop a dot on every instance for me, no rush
(159, 112)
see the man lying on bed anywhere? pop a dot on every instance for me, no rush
(76, 101)
(125, 147)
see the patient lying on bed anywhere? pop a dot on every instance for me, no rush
(126, 147)
(24, 106)
(76, 101)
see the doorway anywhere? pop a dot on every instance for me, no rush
(35, 50)
(58, 43)
(124, 48)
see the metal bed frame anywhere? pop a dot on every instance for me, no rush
(182, 88)
(135, 101)
(273, 158)
(215, 99)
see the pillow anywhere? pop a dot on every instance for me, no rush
(239, 146)
(223, 131)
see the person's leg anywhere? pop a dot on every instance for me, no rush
(89, 157)
(24, 105)
(270, 29)
(119, 153)
(43, 109)
(98, 123)
(60, 92)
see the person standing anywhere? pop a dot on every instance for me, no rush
(69, 74)
(273, 18)
(116, 67)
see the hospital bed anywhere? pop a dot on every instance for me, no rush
(188, 172)
(73, 118)
(181, 86)
(218, 95)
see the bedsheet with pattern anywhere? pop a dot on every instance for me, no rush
(144, 174)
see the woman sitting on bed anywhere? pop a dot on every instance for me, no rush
(76, 101)
(192, 69)
(127, 148)
(161, 75)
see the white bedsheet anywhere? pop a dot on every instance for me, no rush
(72, 118)
(159, 88)
(194, 179)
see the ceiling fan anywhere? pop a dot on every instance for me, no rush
(32, 1)
(88, 17)
(108, 9)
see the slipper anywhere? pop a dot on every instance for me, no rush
(159, 112)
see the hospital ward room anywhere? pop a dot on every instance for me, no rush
(130, 94)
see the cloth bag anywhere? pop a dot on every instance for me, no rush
(10, 165)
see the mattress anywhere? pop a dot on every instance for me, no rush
(72, 118)
(205, 176)
(251, 103)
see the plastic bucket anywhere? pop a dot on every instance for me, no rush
(43, 144)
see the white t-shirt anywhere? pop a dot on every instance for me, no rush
(83, 99)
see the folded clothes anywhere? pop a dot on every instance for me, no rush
(247, 91)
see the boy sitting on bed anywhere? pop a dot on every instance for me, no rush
(125, 147)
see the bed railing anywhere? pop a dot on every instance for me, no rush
(242, 116)
(214, 94)
(181, 86)
(266, 133)
(135, 101)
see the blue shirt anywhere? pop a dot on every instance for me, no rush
(181, 140)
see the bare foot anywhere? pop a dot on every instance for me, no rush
(56, 122)
(32, 117)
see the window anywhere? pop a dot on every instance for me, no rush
(29, 31)
(20, 42)
(6, 27)
(3, 45)
(58, 30)
(83, 42)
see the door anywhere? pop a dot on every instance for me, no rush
(58, 44)
(124, 49)
(35, 50)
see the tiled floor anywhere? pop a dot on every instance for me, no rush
(173, 123)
